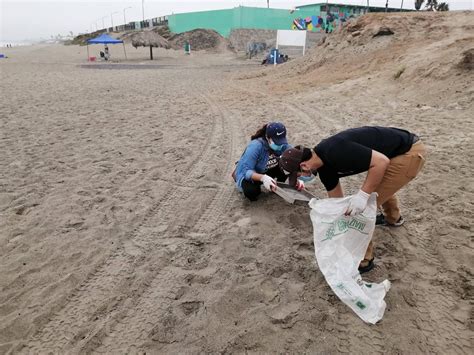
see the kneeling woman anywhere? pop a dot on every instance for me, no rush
(259, 164)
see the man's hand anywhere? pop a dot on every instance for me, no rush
(358, 203)
(299, 185)
(268, 183)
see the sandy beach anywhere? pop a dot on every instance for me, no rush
(121, 230)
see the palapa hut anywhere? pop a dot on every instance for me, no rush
(149, 39)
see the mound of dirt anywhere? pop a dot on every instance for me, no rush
(408, 46)
(163, 31)
(81, 40)
(200, 39)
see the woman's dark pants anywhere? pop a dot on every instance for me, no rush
(252, 189)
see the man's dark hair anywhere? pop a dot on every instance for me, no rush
(306, 153)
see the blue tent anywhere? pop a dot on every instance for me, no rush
(104, 38)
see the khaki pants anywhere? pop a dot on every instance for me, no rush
(401, 170)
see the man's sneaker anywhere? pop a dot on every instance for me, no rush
(366, 265)
(380, 220)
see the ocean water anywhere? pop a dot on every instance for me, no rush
(3, 44)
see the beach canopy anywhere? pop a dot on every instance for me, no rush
(104, 38)
(149, 39)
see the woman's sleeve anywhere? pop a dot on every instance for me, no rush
(249, 159)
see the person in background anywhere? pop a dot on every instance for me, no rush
(329, 20)
(187, 47)
(106, 53)
(392, 157)
(258, 165)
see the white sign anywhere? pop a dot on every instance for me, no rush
(291, 38)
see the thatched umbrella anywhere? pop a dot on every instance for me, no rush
(149, 39)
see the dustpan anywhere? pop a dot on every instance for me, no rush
(291, 195)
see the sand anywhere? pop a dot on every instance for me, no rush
(122, 232)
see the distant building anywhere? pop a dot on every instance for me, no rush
(315, 17)
(346, 8)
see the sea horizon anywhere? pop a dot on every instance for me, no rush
(4, 43)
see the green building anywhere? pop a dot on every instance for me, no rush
(315, 17)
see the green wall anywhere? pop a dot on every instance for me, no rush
(270, 19)
(217, 20)
(224, 21)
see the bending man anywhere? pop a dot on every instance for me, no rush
(392, 157)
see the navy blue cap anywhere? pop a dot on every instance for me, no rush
(277, 132)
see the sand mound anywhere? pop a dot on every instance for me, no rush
(200, 39)
(163, 31)
(412, 45)
(81, 40)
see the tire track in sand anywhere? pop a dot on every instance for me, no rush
(115, 281)
(156, 314)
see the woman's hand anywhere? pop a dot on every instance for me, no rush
(268, 183)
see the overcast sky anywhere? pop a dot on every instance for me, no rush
(39, 19)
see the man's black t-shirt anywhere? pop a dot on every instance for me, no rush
(349, 152)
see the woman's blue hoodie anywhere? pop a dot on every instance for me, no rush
(254, 160)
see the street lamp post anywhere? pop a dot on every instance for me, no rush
(112, 19)
(143, 12)
(124, 20)
(103, 23)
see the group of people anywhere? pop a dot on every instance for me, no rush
(392, 157)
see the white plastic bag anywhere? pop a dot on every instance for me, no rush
(340, 243)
